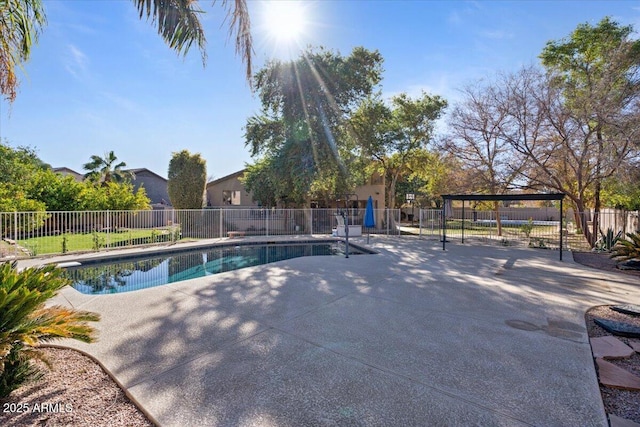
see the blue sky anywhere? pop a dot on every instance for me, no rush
(101, 79)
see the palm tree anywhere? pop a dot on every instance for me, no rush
(20, 24)
(177, 21)
(104, 170)
(26, 322)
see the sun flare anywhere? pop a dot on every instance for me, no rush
(285, 20)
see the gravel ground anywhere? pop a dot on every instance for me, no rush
(78, 392)
(623, 403)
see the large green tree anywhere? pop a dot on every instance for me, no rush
(391, 134)
(597, 70)
(18, 164)
(261, 180)
(433, 173)
(301, 132)
(476, 138)
(187, 180)
(178, 22)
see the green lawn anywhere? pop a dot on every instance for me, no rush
(475, 229)
(73, 242)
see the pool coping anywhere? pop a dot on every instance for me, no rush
(178, 251)
(106, 265)
(150, 250)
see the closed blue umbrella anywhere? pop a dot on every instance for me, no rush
(369, 218)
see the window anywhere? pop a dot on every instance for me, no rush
(235, 197)
(226, 197)
(231, 197)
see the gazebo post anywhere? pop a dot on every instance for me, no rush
(463, 222)
(561, 229)
(444, 223)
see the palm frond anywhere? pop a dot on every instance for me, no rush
(177, 21)
(21, 22)
(240, 29)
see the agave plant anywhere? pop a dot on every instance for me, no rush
(627, 250)
(26, 323)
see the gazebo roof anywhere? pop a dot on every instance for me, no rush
(504, 197)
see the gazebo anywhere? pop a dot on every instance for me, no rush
(497, 198)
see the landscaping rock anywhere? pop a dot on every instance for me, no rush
(629, 265)
(619, 328)
(610, 348)
(631, 309)
(611, 375)
(616, 421)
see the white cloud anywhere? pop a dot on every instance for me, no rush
(455, 18)
(122, 103)
(496, 34)
(77, 62)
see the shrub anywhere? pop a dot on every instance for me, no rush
(25, 322)
(626, 250)
(607, 241)
(527, 228)
(98, 241)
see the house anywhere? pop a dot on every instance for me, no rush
(154, 185)
(64, 171)
(229, 191)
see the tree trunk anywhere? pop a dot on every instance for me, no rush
(596, 215)
(580, 216)
(392, 200)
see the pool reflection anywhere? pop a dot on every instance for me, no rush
(140, 273)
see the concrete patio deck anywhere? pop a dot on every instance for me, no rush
(414, 335)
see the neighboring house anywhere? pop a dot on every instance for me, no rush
(374, 188)
(64, 171)
(154, 185)
(228, 191)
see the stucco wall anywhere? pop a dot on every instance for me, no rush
(155, 186)
(216, 189)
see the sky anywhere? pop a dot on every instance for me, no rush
(101, 79)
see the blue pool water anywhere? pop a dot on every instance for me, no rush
(130, 274)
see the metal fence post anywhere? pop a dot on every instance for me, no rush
(15, 234)
(267, 221)
(387, 219)
(221, 214)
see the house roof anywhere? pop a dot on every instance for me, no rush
(226, 178)
(137, 171)
(67, 170)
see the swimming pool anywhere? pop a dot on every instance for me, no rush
(135, 273)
